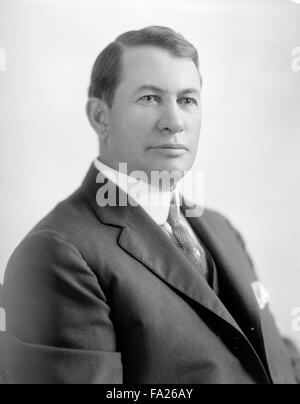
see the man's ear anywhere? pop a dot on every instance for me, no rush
(97, 113)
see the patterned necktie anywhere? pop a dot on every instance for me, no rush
(194, 252)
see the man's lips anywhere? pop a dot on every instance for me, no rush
(170, 146)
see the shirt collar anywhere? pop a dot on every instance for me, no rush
(156, 203)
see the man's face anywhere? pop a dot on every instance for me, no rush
(157, 103)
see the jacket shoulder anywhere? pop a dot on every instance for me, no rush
(218, 221)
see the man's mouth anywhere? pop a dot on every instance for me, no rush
(170, 146)
(170, 149)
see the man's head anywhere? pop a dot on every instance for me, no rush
(145, 93)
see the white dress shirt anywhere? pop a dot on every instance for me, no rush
(156, 203)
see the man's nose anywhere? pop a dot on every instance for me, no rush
(171, 119)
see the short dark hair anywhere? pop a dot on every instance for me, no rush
(107, 70)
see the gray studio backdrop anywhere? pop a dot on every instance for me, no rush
(249, 151)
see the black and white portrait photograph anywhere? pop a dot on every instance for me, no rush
(150, 193)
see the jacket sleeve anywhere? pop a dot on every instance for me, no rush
(58, 317)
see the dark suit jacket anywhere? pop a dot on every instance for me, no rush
(103, 295)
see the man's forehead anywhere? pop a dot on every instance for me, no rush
(152, 66)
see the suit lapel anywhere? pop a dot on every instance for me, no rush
(148, 243)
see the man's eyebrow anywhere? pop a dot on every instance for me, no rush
(149, 87)
(190, 91)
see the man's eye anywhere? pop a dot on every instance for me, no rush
(188, 101)
(149, 99)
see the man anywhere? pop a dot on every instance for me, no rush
(118, 284)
